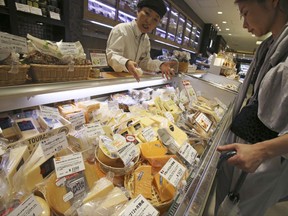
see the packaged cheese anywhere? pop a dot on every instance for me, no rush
(165, 190)
(143, 181)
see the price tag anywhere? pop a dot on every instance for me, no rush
(68, 164)
(50, 112)
(169, 116)
(173, 172)
(22, 7)
(77, 119)
(13, 43)
(98, 59)
(221, 104)
(67, 48)
(35, 10)
(2, 2)
(128, 153)
(94, 129)
(188, 153)
(148, 133)
(54, 15)
(140, 206)
(204, 122)
(30, 206)
(54, 144)
(190, 90)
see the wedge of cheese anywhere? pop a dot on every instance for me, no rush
(100, 189)
(56, 193)
(153, 149)
(165, 190)
(160, 160)
(142, 181)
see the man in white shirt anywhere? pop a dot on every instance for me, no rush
(128, 45)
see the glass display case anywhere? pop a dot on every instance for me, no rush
(195, 37)
(102, 7)
(172, 27)
(180, 29)
(187, 33)
(127, 10)
(161, 29)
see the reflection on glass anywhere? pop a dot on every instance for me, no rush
(172, 25)
(104, 8)
(160, 33)
(180, 29)
(129, 6)
(162, 25)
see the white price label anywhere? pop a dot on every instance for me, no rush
(35, 10)
(54, 15)
(77, 119)
(128, 153)
(2, 2)
(169, 116)
(173, 172)
(50, 112)
(94, 129)
(30, 206)
(140, 206)
(67, 48)
(98, 59)
(148, 133)
(13, 43)
(68, 164)
(22, 7)
(54, 144)
(204, 122)
(188, 153)
(190, 91)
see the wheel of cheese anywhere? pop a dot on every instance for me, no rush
(113, 162)
(55, 194)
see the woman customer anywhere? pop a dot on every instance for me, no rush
(261, 144)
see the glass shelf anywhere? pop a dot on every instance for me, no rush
(172, 24)
(104, 8)
(180, 29)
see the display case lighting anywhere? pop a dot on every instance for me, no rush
(174, 13)
(104, 5)
(182, 20)
(101, 24)
(158, 29)
(162, 42)
(188, 50)
(127, 15)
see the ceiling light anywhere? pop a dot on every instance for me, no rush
(227, 29)
(224, 22)
(220, 12)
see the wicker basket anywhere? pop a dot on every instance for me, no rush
(183, 67)
(57, 73)
(7, 78)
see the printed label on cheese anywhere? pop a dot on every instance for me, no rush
(94, 129)
(148, 133)
(169, 116)
(77, 120)
(188, 152)
(128, 153)
(204, 122)
(68, 164)
(140, 206)
(50, 112)
(30, 206)
(54, 144)
(173, 172)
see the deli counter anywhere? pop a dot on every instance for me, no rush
(190, 199)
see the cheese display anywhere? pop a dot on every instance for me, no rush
(61, 196)
(26, 127)
(165, 190)
(88, 107)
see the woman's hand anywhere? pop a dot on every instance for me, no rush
(248, 157)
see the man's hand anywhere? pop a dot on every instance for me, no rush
(131, 67)
(166, 70)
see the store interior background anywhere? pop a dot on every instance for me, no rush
(77, 23)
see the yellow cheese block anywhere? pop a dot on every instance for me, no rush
(55, 194)
(67, 109)
(178, 135)
(165, 190)
(142, 181)
(153, 149)
(100, 189)
(159, 161)
(88, 107)
(44, 206)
